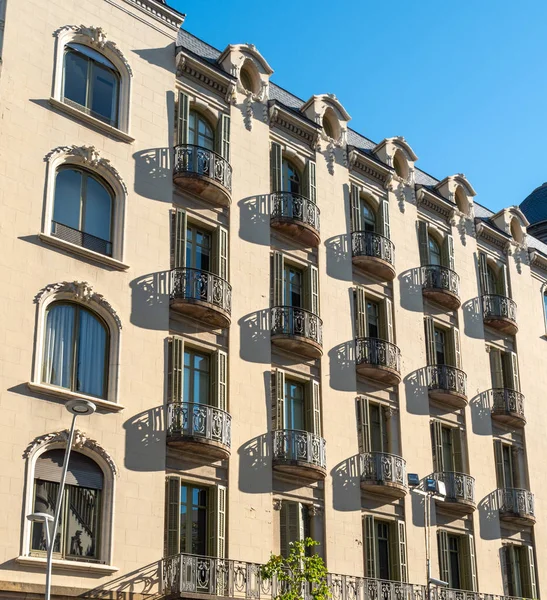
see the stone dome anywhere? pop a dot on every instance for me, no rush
(534, 207)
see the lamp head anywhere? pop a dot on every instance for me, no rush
(40, 517)
(80, 408)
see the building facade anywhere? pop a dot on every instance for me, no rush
(277, 318)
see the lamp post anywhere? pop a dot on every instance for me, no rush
(77, 408)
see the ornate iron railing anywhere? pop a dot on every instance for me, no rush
(496, 306)
(507, 400)
(383, 467)
(199, 421)
(189, 574)
(286, 205)
(437, 277)
(194, 284)
(293, 444)
(459, 486)
(81, 238)
(369, 243)
(195, 160)
(299, 322)
(374, 351)
(517, 501)
(445, 377)
(442, 593)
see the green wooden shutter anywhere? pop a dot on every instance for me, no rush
(172, 515)
(217, 521)
(219, 378)
(294, 522)
(430, 341)
(496, 368)
(370, 546)
(387, 320)
(500, 471)
(437, 445)
(355, 213)
(175, 369)
(504, 282)
(515, 470)
(512, 370)
(310, 181)
(183, 114)
(529, 583)
(442, 543)
(360, 312)
(403, 568)
(314, 407)
(423, 240)
(469, 564)
(311, 289)
(276, 160)
(384, 215)
(483, 274)
(278, 266)
(456, 349)
(284, 529)
(457, 448)
(223, 137)
(449, 243)
(279, 399)
(505, 561)
(220, 256)
(397, 538)
(179, 225)
(363, 423)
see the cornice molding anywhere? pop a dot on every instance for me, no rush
(368, 166)
(160, 12)
(537, 259)
(435, 203)
(299, 128)
(220, 83)
(490, 235)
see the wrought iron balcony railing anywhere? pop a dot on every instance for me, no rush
(447, 378)
(377, 352)
(298, 322)
(437, 277)
(495, 306)
(286, 205)
(197, 161)
(369, 243)
(383, 468)
(507, 400)
(459, 486)
(199, 421)
(517, 501)
(81, 238)
(195, 284)
(442, 593)
(297, 445)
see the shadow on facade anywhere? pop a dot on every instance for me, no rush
(338, 252)
(159, 57)
(416, 392)
(150, 300)
(145, 440)
(255, 343)
(255, 458)
(346, 485)
(342, 367)
(410, 289)
(481, 419)
(472, 318)
(254, 224)
(489, 523)
(153, 168)
(144, 582)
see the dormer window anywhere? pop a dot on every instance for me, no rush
(248, 77)
(328, 127)
(516, 231)
(246, 80)
(399, 164)
(330, 124)
(461, 201)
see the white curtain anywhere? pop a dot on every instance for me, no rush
(59, 346)
(91, 369)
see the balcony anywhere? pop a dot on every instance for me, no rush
(299, 453)
(500, 312)
(201, 295)
(374, 254)
(460, 492)
(448, 385)
(199, 429)
(296, 217)
(204, 173)
(378, 360)
(297, 330)
(516, 506)
(508, 407)
(81, 238)
(383, 474)
(441, 285)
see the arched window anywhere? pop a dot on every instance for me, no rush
(200, 133)
(91, 83)
(76, 350)
(368, 216)
(435, 256)
(492, 280)
(246, 80)
(327, 126)
(81, 510)
(83, 210)
(399, 164)
(291, 178)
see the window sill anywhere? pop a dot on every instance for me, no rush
(51, 390)
(95, 256)
(97, 123)
(69, 565)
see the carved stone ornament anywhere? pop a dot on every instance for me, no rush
(80, 291)
(277, 503)
(89, 156)
(315, 510)
(80, 441)
(96, 37)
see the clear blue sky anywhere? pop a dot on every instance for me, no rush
(465, 82)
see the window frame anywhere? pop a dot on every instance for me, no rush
(196, 116)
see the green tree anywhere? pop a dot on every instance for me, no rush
(298, 572)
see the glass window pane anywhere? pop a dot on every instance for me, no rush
(45, 500)
(59, 346)
(105, 91)
(75, 77)
(294, 406)
(82, 522)
(91, 368)
(98, 210)
(68, 191)
(93, 54)
(434, 252)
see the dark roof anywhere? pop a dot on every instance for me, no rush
(534, 206)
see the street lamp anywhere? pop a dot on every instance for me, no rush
(77, 408)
